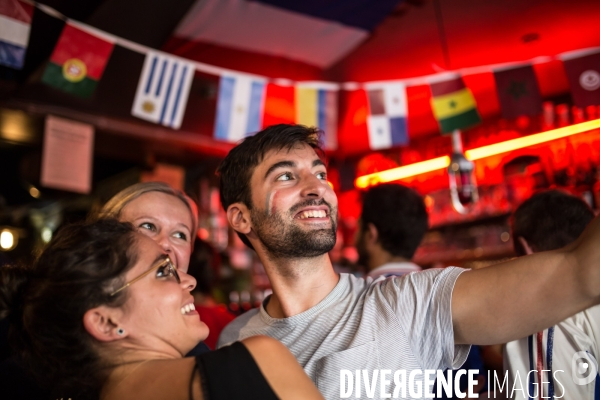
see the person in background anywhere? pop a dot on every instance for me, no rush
(164, 214)
(392, 224)
(391, 227)
(104, 313)
(204, 265)
(550, 220)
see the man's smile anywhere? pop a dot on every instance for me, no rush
(313, 213)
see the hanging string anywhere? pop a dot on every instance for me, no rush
(440, 25)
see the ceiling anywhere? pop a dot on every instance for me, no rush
(475, 32)
(422, 37)
(403, 39)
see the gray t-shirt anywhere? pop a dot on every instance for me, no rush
(398, 323)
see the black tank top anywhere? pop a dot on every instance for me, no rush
(231, 373)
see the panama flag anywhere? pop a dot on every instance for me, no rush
(316, 105)
(387, 119)
(15, 23)
(163, 89)
(239, 107)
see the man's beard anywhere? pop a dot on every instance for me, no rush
(283, 239)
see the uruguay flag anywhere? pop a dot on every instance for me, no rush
(163, 89)
(387, 119)
(239, 107)
(15, 24)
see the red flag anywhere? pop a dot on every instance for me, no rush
(518, 92)
(279, 105)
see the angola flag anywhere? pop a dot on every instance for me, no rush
(453, 105)
(77, 62)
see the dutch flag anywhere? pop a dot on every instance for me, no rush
(15, 24)
(239, 107)
(163, 89)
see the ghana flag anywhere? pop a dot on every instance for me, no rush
(453, 105)
(77, 62)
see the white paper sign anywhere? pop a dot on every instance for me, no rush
(67, 155)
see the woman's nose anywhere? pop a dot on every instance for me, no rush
(165, 243)
(188, 282)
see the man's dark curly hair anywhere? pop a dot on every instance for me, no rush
(237, 168)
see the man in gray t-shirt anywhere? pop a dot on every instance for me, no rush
(369, 325)
(275, 192)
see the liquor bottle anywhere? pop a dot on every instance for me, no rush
(463, 188)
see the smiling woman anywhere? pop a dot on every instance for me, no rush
(104, 313)
(163, 213)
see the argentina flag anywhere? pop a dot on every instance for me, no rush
(163, 89)
(239, 107)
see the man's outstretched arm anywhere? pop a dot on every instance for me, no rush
(517, 298)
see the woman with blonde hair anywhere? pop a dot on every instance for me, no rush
(166, 215)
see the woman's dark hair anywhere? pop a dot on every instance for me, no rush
(45, 302)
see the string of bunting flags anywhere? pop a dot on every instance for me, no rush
(82, 53)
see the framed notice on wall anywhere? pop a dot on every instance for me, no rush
(67, 155)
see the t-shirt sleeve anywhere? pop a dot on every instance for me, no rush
(233, 331)
(229, 334)
(422, 303)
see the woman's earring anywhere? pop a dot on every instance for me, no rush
(120, 331)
